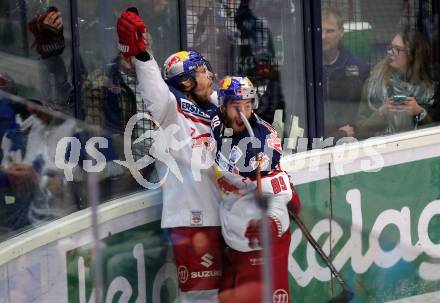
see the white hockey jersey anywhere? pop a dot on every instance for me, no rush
(236, 179)
(190, 196)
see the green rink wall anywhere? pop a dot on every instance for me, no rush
(374, 207)
(384, 230)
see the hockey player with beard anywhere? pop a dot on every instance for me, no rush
(181, 101)
(237, 156)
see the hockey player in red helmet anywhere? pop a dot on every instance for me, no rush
(190, 204)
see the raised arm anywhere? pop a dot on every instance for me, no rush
(160, 102)
(133, 43)
(47, 29)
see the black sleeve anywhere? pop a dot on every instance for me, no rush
(144, 56)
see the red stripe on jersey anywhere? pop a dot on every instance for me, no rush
(191, 117)
(202, 136)
(267, 125)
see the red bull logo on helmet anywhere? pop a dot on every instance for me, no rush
(172, 61)
(171, 67)
(226, 82)
(177, 57)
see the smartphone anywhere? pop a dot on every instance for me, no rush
(399, 98)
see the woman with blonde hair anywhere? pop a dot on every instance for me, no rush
(400, 90)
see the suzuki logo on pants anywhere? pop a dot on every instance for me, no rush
(207, 260)
(280, 296)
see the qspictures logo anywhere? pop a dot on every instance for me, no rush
(177, 151)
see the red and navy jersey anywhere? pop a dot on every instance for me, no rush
(237, 153)
(236, 169)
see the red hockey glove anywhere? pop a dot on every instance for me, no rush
(295, 202)
(253, 232)
(47, 29)
(131, 29)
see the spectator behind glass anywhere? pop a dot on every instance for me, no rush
(259, 60)
(33, 187)
(405, 71)
(102, 106)
(47, 29)
(344, 76)
(7, 110)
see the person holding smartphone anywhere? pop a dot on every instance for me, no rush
(399, 93)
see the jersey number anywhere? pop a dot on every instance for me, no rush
(278, 185)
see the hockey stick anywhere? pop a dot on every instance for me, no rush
(266, 237)
(257, 157)
(347, 294)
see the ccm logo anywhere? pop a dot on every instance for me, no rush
(280, 296)
(183, 274)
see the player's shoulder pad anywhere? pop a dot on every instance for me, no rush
(264, 126)
(210, 108)
(177, 93)
(206, 110)
(267, 134)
